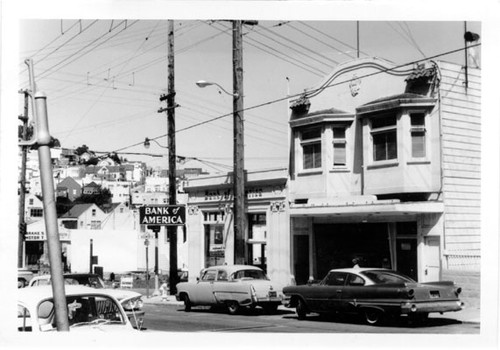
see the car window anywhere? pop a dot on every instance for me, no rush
(42, 282)
(335, 279)
(355, 280)
(209, 275)
(252, 274)
(381, 276)
(23, 319)
(221, 275)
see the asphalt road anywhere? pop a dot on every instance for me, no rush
(173, 318)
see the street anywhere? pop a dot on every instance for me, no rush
(173, 318)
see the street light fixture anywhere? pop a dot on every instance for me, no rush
(203, 83)
(147, 143)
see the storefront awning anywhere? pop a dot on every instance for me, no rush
(377, 208)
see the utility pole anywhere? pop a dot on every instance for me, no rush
(43, 142)
(238, 148)
(172, 157)
(22, 184)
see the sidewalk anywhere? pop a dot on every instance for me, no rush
(466, 315)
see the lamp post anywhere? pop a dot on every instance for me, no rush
(238, 170)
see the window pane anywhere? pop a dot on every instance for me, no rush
(379, 147)
(418, 119)
(312, 156)
(311, 134)
(383, 122)
(418, 144)
(339, 156)
(392, 147)
(339, 133)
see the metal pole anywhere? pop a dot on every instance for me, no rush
(146, 242)
(22, 183)
(50, 214)
(91, 253)
(172, 182)
(238, 148)
(156, 230)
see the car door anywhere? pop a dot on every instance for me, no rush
(325, 296)
(202, 291)
(354, 289)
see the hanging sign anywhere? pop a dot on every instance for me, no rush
(167, 215)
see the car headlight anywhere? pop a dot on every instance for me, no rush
(133, 304)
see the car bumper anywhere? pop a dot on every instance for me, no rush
(432, 306)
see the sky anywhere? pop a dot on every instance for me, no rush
(103, 78)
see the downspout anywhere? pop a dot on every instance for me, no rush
(441, 170)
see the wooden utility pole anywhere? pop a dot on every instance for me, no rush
(22, 184)
(238, 149)
(172, 157)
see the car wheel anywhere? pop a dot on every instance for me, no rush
(270, 309)
(301, 309)
(187, 303)
(373, 316)
(233, 307)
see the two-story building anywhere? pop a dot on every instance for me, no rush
(386, 168)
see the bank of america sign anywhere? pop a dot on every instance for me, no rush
(164, 215)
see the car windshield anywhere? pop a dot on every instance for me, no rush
(252, 274)
(82, 310)
(381, 276)
(90, 281)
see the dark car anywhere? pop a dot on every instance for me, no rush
(373, 293)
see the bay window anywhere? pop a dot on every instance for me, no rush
(384, 136)
(311, 148)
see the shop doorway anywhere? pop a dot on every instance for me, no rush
(301, 258)
(338, 244)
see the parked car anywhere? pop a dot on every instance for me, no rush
(232, 286)
(23, 277)
(373, 293)
(89, 309)
(130, 300)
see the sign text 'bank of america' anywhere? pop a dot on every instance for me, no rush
(163, 215)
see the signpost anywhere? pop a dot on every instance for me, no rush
(155, 217)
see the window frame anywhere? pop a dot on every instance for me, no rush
(384, 130)
(420, 128)
(339, 141)
(314, 142)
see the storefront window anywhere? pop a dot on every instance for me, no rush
(214, 238)
(257, 239)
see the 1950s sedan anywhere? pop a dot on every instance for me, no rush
(89, 309)
(233, 286)
(373, 293)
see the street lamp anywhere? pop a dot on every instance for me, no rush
(147, 143)
(238, 163)
(203, 83)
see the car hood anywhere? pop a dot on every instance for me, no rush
(122, 294)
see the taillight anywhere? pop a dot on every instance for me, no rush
(458, 291)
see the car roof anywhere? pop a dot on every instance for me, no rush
(45, 292)
(360, 269)
(233, 268)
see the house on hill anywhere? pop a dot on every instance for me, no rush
(83, 216)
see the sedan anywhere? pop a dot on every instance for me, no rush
(373, 293)
(89, 309)
(232, 286)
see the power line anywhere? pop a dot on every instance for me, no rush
(313, 91)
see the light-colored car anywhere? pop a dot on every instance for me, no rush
(23, 277)
(233, 286)
(89, 309)
(131, 301)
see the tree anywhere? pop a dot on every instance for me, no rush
(101, 198)
(81, 150)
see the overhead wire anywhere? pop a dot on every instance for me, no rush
(313, 91)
